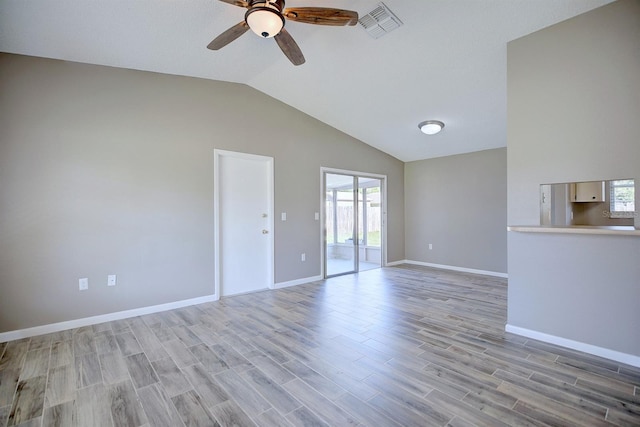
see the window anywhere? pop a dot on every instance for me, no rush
(622, 198)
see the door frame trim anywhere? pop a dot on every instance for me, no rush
(217, 154)
(383, 179)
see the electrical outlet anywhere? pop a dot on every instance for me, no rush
(111, 280)
(430, 246)
(303, 257)
(83, 284)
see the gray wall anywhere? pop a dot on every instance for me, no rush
(110, 171)
(573, 111)
(459, 205)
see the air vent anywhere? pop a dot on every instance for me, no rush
(379, 21)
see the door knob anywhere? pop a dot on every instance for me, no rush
(265, 231)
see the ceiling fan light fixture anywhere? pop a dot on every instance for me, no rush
(431, 127)
(266, 21)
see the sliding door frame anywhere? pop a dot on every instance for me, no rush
(383, 219)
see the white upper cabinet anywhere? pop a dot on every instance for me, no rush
(592, 191)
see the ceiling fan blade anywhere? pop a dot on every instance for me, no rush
(228, 36)
(240, 3)
(321, 15)
(289, 47)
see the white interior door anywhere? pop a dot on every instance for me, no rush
(244, 226)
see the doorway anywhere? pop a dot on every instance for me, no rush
(243, 205)
(354, 222)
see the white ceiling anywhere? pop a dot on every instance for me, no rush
(447, 62)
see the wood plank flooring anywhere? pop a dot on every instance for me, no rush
(400, 346)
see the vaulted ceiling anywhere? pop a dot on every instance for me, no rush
(446, 62)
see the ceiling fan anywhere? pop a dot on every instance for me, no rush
(266, 18)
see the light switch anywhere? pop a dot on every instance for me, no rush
(317, 216)
(283, 216)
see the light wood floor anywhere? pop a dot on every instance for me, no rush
(401, 346)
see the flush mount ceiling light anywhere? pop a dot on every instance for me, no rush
(265, 19)
(431, 127)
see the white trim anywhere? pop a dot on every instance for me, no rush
(216, 223)
(393, 263)
(93, 320)
(297, 282)
(352, 172)
(253, 291)
(216, 209)
(614, 355)
(323, 236)
(454, 268)
(385, 197)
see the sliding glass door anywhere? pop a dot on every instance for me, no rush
(369, 223)
(353, 223)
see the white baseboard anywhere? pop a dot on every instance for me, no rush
(297, 282)
(614, 355)
(453, 268)
(87, 321)
(93, 320)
